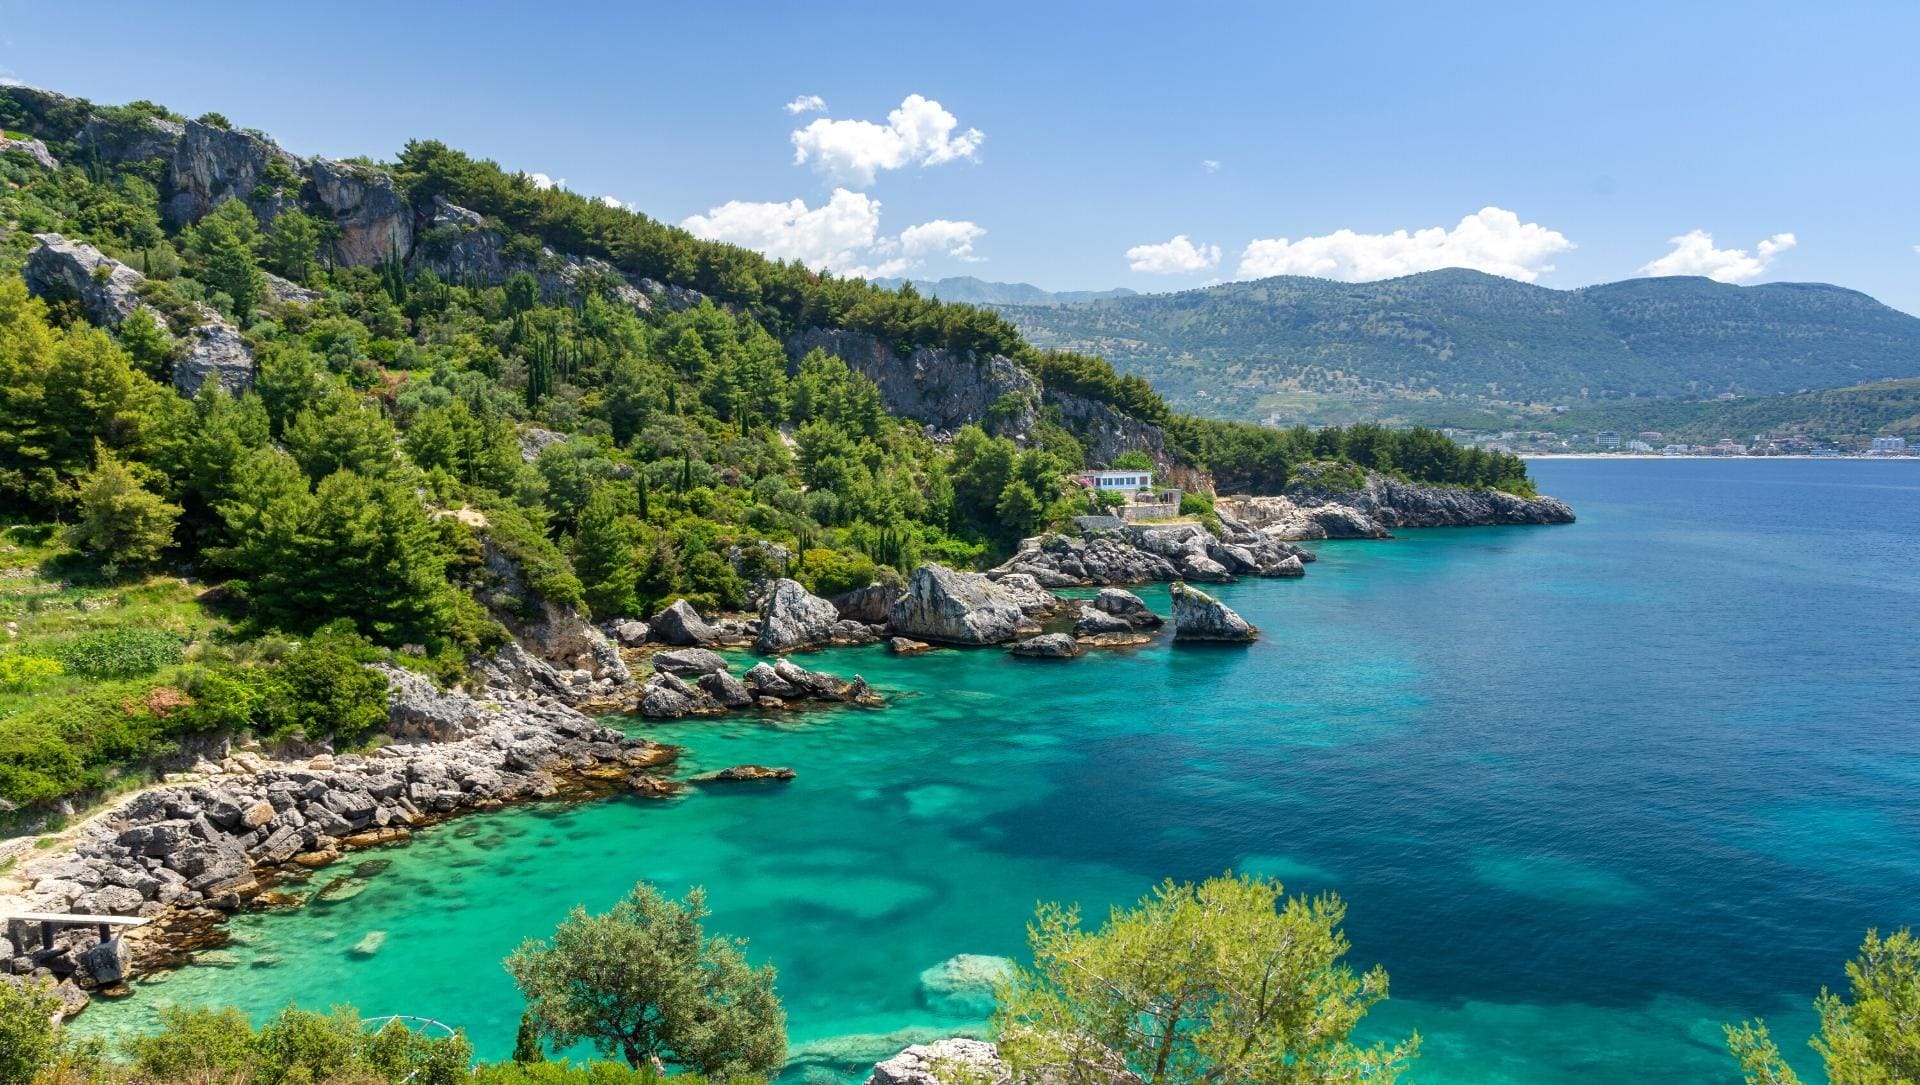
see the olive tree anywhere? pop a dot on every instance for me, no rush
(1223, 982)
(1870, 1038)
(646, 982)
(27, 1039)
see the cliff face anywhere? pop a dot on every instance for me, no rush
(213, 165)
(1105, 432)
(941, 389)
(1321, 503)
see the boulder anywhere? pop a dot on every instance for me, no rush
(107, 290)
(417, 711)
(689, 661)
(1125, 605)
(764, 681)
(630, 634)
(215, 352)
(33, 149)
(907, 646)
(681, 625)
(725, 689)
(869, 604)
(1092, 622)
(975, 1062)
(1198, 616)
(1196, 565)
(944, 606)
(1047, 646)
(109, 963)
(792, 617)
(745, 774)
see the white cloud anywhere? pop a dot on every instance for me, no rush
(807, 103)
(613, 201)
(1211, 165)
(1694, 254)
(842, 235)
(920, 132)
(942, 237)
(542, 182)
(1492, 240)
(1177, 257)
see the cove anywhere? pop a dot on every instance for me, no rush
(1590, 792)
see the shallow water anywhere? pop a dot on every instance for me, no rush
(1590, 791)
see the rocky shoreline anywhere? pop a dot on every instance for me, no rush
(186, 855)
(1321, 502)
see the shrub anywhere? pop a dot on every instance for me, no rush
(19, 672)
(120, 653)
(26, 1031)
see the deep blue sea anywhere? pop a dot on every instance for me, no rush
(1590, 791)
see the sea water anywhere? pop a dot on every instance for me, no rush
(1590, 792)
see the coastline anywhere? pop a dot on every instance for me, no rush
(1715, 459)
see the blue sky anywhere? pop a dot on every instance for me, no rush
(1071, 146)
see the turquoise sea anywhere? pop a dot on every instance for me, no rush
(1590, 791)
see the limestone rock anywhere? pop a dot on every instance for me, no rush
(907, 646)
(138, 140)
(375, 224)
(215, 352)
(725, 689)
(942, 389)
(1047, 646)
(33, 149)
(1092, 622)
(109, 962)
(1198, 616)
(419, 712)
(745, 774)
(792, 617)
(630, 634)
(944, 606)
(213, 165)
(1125, 605)
(108, 290)
(680, 625)
(287, 291)
(689, 661)
(869, 604)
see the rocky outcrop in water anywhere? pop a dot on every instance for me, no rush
(1126, 606)
(1046, 646)
(1198, 616)
(187, 853)
(1321, 502)
(941, 389)
(1120, 553)
(948, 607)
(696, 682)
(870, 604)
(977, 1062)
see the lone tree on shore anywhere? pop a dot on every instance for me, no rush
(1872, 1038)
(1223, 982)
(644, 981)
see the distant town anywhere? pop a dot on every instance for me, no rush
(1655, 443)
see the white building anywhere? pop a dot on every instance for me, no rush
(1606, 438)
(1118, 481)
(1889, 444)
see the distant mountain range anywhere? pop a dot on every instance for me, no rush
(966, 288)
(1442, 343)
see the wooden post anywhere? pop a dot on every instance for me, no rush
(46, 936)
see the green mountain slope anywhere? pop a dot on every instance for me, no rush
(975, 291)
(1243, 349)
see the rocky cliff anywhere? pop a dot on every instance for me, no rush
(1322, 502)
(941, 389)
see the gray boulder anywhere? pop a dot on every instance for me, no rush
(944, 606)
(109, 963)
(215, 352)
(1196, 565)
(689, 661)
(1198, 616)
(1047, 646)
(630, 634)
(417, 711)
(33, 149)
(792, 617)
(725, 689)
(1092, 622)
(108, 290)
(942, 1061)
(869, 604)
(1123, 604)
(681, 625)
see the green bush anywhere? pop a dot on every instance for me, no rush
(830, 572)
(27, 1039)
(20, 672)
(119, 653)
(298, 1046)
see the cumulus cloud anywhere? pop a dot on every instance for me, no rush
(614, 201)
(942, 237)
(842, 235)
(1694, 254)
(807, 103)
(542, 182)
(1176, 257)
(1491, 239)
(920, 132)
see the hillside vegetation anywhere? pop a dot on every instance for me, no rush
(293, 427)
(1246, 349)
